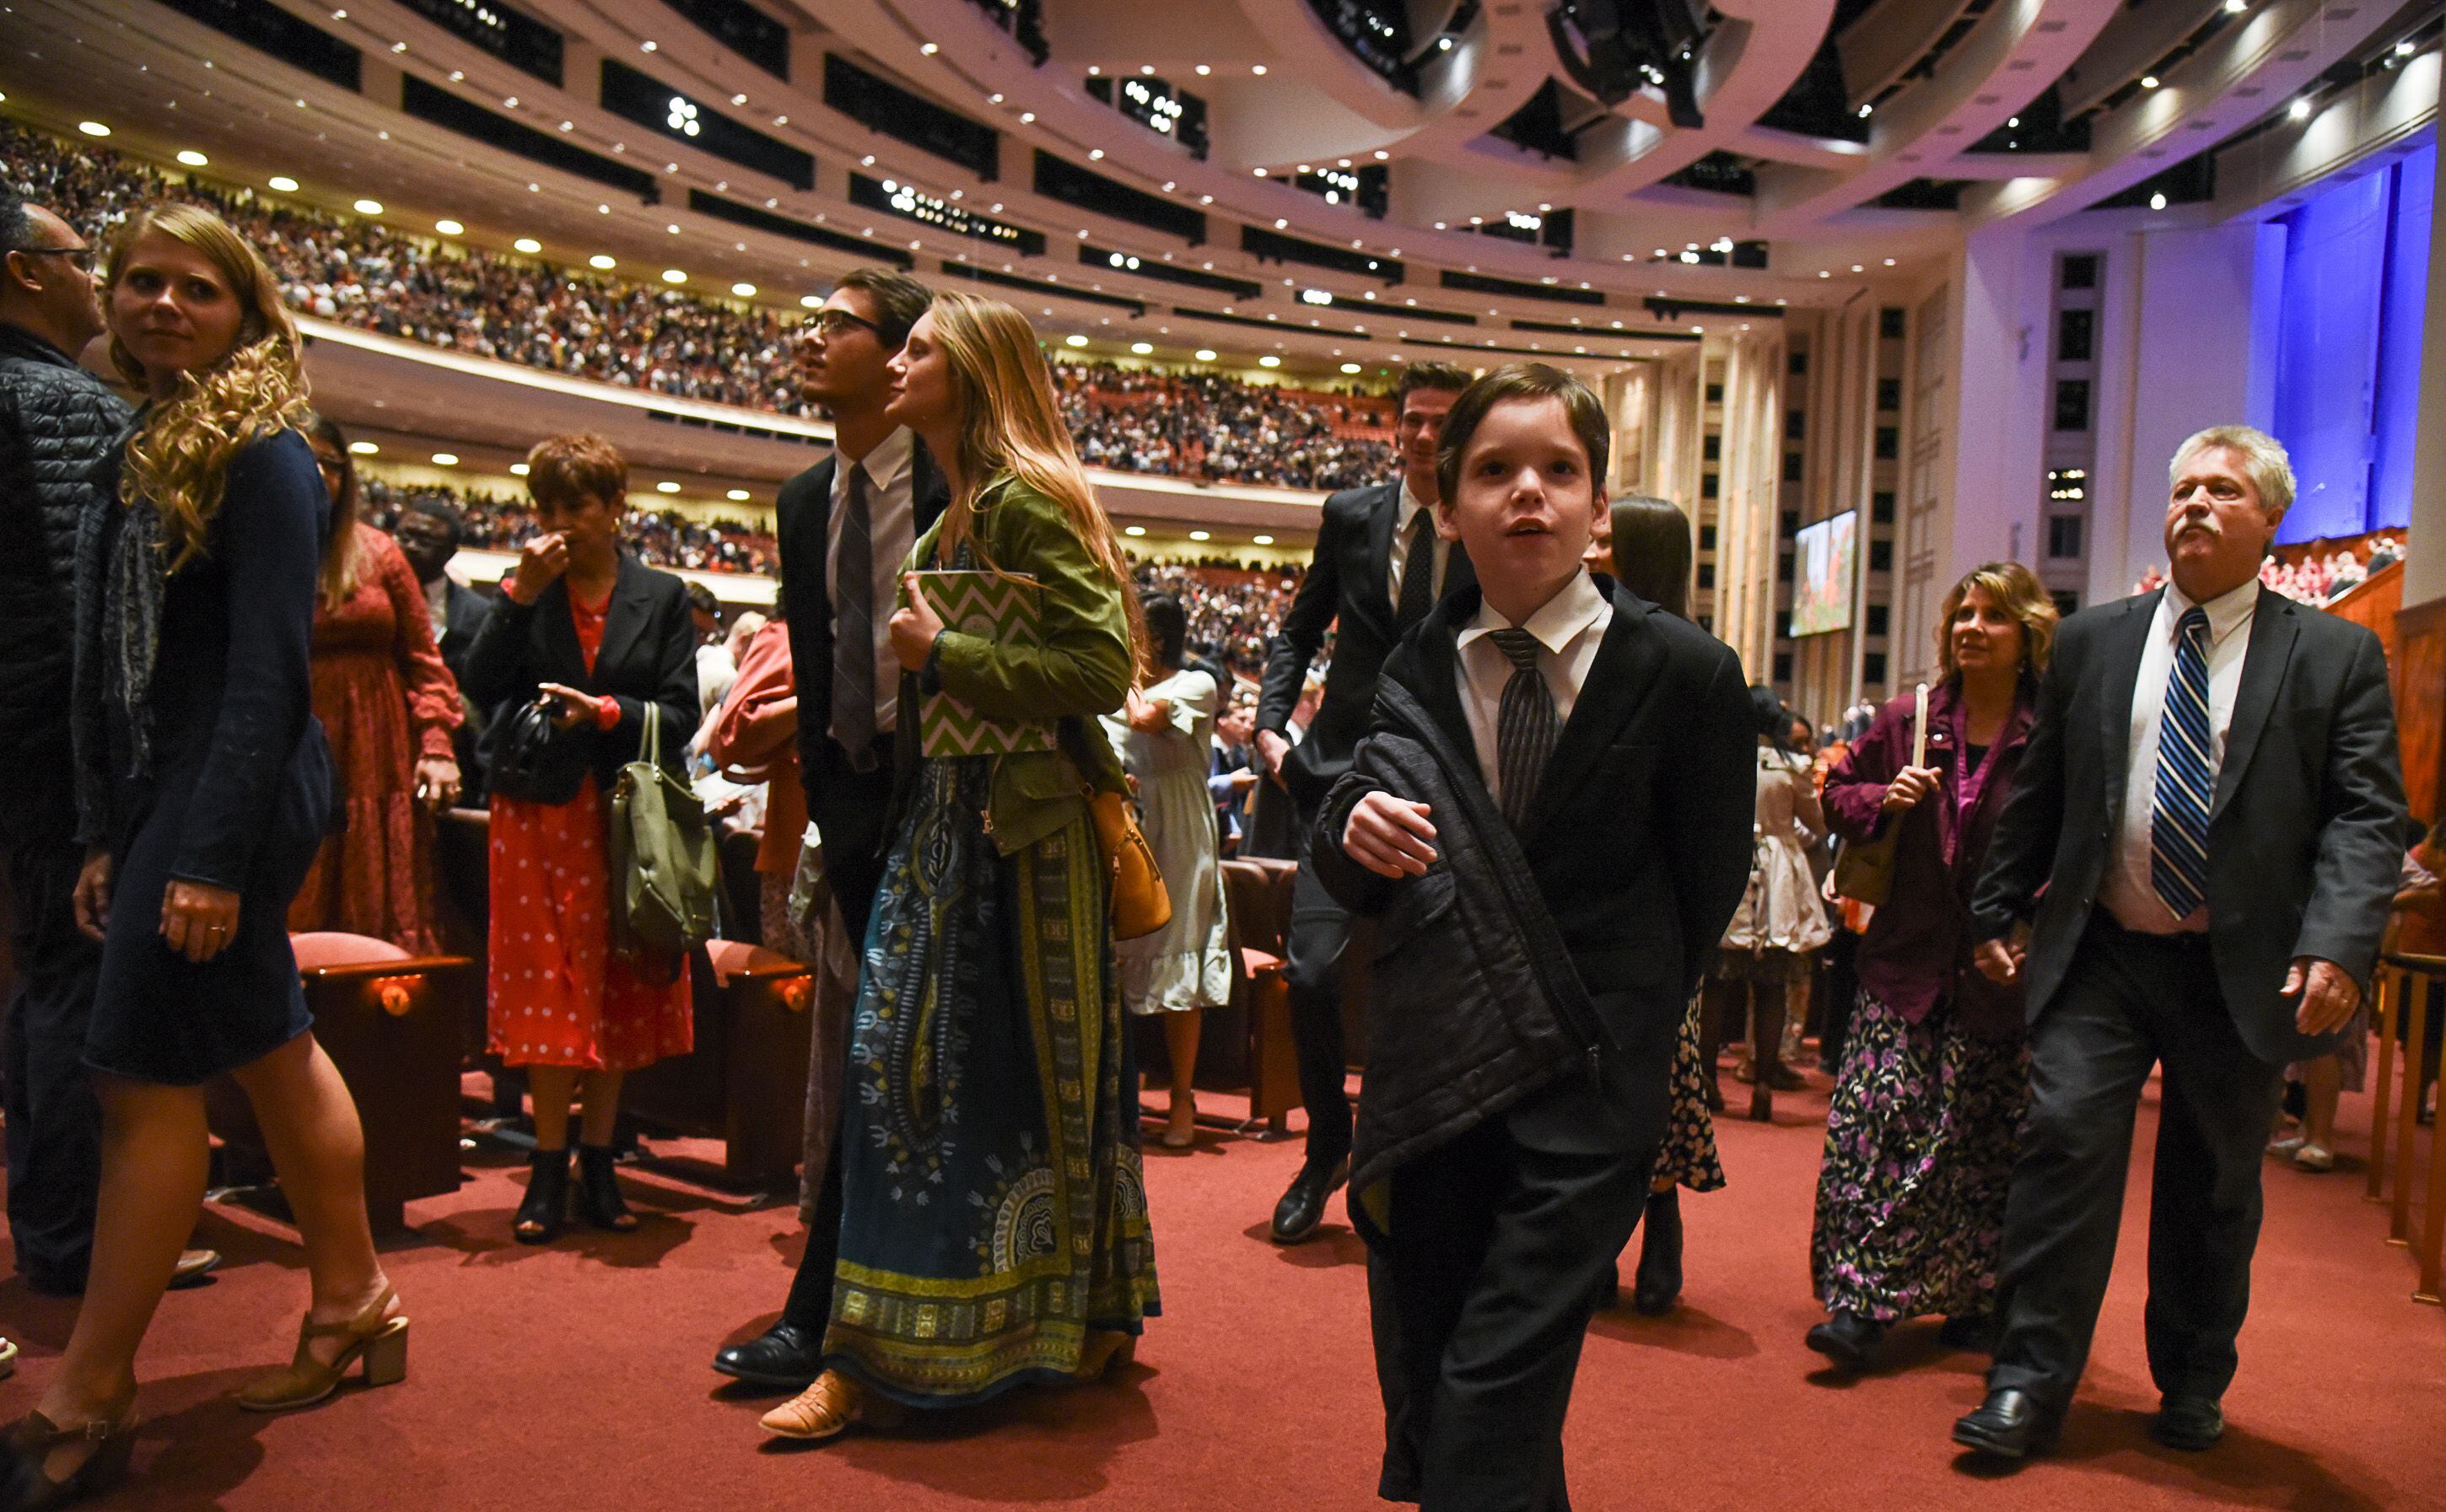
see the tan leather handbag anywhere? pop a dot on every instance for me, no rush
(1140, 903)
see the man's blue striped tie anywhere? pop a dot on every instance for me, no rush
(2178, 825)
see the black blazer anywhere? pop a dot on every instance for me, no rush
(803, 515)
(1348, 584)
(649, 656)
(1639, 837)
(2306, 832)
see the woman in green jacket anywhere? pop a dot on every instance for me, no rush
(994, 1226)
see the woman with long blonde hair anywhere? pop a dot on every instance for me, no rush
(994, 1228)
(203, 788)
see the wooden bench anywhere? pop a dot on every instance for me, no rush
(394, 1024)
(2404, 987)
(746, 1082)
(1258, 893)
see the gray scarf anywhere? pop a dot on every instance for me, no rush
(120, 581)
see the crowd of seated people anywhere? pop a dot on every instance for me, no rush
(2317, 578)
(1211, 426)
(358, 273)
(1233, 612)
(663, 538)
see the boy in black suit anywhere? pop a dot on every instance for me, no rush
(1551, 821)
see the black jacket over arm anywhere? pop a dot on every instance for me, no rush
(1349, 584)
(2306, 831)
(648, 657)
(1636, 850)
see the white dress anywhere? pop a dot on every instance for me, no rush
(1186, 964)
(1782, 910)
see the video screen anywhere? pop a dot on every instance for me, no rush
(1825, 562)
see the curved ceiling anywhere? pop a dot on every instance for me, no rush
(1467, 193)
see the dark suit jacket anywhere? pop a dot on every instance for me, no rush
(1638, 841)
(466, 619)
(2306, 831)
(1349, 584)
(649, 656)
(847, 806)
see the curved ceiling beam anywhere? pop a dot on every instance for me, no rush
(1298, 43)
(2239, 76)
(2006, 61)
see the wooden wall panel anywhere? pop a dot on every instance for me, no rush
(2416, 670)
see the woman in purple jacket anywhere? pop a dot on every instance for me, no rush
(1920, 1137)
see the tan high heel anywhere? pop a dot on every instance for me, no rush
(380, 1341)
(27, 1487)
(1103, 1350)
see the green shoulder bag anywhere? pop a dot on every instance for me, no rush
(664, 862)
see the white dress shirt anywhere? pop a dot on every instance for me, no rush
(1403, 522)
(2128, 893)
(1569, 627)
(892, 522)
(437, 605)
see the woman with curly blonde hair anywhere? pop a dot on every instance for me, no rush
(203, 788)
(1928, 1106)
(993, 1216)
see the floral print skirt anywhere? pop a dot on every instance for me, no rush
(1688, 1155)
(1919, 1156)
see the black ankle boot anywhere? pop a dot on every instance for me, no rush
(545, 1210)
(598, 1191)
(1659, 1278)
(1848, 1339)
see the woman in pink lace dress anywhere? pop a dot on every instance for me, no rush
(388, 706)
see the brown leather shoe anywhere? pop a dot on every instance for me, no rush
(826, 1407)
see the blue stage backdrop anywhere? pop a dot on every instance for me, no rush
(2348, 348)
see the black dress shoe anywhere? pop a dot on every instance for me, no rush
(2011, 1425)
(2193, 1423)
(1303, 1206)
(1658, 1280)
(1848, 1339)
(784, 1356)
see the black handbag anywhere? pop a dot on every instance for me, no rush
(522, 740)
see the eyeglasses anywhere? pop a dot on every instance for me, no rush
(831, 323)
(80, 259)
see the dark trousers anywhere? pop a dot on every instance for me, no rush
(1479, 1295)
(54, 1123)
(850, 808)
(1320, 933)
(2129, 1002)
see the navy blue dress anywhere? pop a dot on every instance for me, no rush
(241, 794)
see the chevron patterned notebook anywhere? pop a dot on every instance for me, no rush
(1001, 606)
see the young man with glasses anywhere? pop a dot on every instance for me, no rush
(845, 527)
(57, 422)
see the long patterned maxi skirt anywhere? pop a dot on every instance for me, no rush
(1688, 1155)
(994, 1207)
(1919, 1156)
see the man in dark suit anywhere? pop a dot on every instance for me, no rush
(845, 528)
(2211, 802)
(1550, 817)
(1379, 568)
(429, 532)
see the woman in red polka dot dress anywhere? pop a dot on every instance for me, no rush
(584, 631)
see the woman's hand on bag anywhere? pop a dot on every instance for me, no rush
(914, 625)
(568, 707)
(198, 920)
(542, 559)
(92, 896)
(437, 782)
(1909, 784)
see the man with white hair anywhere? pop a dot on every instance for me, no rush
(2211, 803)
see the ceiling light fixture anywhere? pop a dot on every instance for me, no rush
(674, 275)
(363, 448)
(1257, 68)
(517, 469)
(2298, 110)
(528, 244)
(368, 207)
(1201, 536)
(1143, 348)
(928, 48)
(449, 228)
(604, 261)
(1269, 360)
(1262, 540)
(1206, 354)
(1350, 367)
(1133, 530)
(2157, 201)
(744, 290)
(666, 486)
(446, 458)
(2147, 80)
(283, 183)
(192, 157)
(810, 302)
(1074, 339)
(93, 128)
(737, 496)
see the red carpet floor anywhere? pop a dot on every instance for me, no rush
(574, 1377)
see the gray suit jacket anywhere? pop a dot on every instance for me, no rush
(2306, 832)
